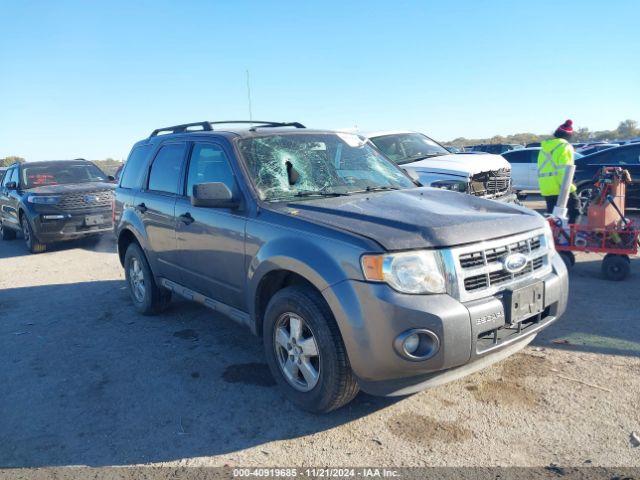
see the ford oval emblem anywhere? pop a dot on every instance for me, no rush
(515, 262)
(90, 198)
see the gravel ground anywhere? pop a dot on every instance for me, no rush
(87, 381)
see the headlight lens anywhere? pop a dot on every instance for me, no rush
(43, 199)
(453, 185)
(407, 272)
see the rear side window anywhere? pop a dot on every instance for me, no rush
(165, 170)
(517, 157)
(134, 168)
(209, 164)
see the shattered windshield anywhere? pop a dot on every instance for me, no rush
(306, 165)
(408, 147)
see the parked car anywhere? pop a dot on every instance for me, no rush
(354, 278)
(427, 161)
(625, 156)
(524, 167)
(593, 148)
(497, 148)
(55, 201)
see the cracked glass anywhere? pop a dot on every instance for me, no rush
(283, 166)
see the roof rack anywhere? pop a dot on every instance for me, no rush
(261, 124)
(208, 126)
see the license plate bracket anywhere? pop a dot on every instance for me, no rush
(524, 302)
(92, 220)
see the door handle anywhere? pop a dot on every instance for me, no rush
(141, 207)
(186, 218)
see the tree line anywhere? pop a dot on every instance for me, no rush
(626, 130)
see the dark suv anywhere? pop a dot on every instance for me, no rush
(55, 201)
(353, 277)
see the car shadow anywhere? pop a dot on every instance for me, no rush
(602, 316)
(102, 243)
(88, 381)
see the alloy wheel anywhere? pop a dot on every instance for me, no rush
(297, 352)
(136, 280)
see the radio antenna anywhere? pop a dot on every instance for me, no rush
(249, 96)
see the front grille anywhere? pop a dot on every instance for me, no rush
(86, 200)
(481, 267)
(492, 183)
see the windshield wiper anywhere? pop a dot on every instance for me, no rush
(320, 193)
(419, 157)
(375, 189)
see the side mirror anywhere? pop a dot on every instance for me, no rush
(111, 178)
(12, 186)
(214, 195)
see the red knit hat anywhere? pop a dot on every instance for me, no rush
(566, 127)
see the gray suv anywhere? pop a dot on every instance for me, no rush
(353, 277)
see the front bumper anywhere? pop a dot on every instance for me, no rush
(472, 335)
(55, 226)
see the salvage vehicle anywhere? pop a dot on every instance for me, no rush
(353, 277)
(480, 174)
(55, 201)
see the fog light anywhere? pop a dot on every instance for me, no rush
(411, 343)
(417, 344)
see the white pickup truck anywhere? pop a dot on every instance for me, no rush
(480, 174)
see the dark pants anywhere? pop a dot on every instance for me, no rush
(573, 205)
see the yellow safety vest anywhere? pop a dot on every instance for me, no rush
(554, 156)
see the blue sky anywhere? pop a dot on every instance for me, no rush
(87, 79)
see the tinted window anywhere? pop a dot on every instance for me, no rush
(605, 158)
(517, 157)
(134, 168)
(619, 156)
(165, 170)
(7, 177)
(209, 164)
(34, 175)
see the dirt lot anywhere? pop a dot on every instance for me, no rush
(87, 381)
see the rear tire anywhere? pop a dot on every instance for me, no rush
(147, 297)
(333, 384)
(616, 267)
(7, 233)
(32, 243)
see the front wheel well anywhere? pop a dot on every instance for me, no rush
(269, 285)
(125, 239)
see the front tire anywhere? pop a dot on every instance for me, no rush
(305, 351)
(30, 240)
(147, 297)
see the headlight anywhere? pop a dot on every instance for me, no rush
(453, 185)
(43, 199)
(407, 272)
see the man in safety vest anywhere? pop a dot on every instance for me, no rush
(554, 156)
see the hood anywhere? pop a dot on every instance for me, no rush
(71, 188)
(460, 163)
(418, 217)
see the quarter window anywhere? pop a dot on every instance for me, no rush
(209, 164)
(166, 168)
(134, 168)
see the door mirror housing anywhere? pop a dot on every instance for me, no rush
(12, 186)
(214, 195)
